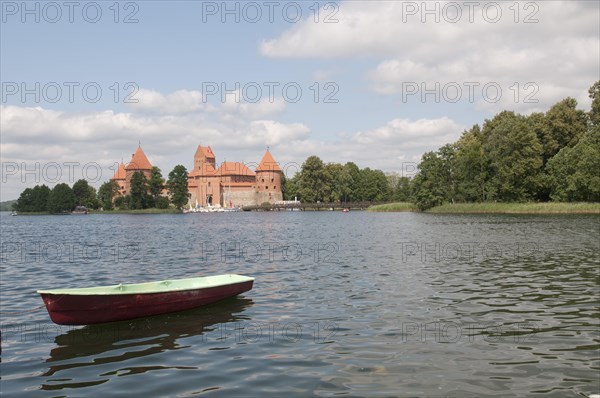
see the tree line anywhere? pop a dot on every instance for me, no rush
(144, 193)
(334, 182)
(545, 156)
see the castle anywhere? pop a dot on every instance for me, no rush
(231, 184)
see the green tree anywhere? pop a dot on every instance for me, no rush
(33, 199)
(515, 157)
(61, 199)
(404, 190)
(354, 173)
(471, 167)
(373, 185)
(574, 173)
(25, 203)
(162, 202)
(178, 186)
(107, 192)
(40, 197)
(314, 182)
(85, 194)
(565, 124)
(156, 184)
(139, 197)
(122, 202)
(290, 187)
(594, 93)
(430, 183)
(340, 182)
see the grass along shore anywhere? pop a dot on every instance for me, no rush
(170, 210)
(498, 208)
(140, 211)
(394, 207)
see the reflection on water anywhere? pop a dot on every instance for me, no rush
(358, 304)
(120, 342)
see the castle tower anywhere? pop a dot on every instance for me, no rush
(204, 158)
(120, 177)
(204, 181)
(138, 162)
(268, 180)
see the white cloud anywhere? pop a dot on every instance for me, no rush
(33, 138)
(395, 146)
(181, 101)
(560, 52)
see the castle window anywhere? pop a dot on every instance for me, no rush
(271, 180)
(209, 183)
(274, 187)
(263, 180)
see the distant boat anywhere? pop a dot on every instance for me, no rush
(346, 210)
(13, 213)
(80, 210)
(101, 304)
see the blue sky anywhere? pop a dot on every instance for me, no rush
(368, 58)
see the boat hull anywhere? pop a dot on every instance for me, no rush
(72, 309)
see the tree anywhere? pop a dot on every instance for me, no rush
(33, 199)
(354, 180)
(25, 201)
(107, 192)
(373, 185)
(471, 167)
(178, 186)
(61, 199)
(404, 190)
(314, 182)
(574, 173)
(594, 93)
(290, 190)
(85, 194)
(565, 124)
(156, 185)
(122, 202)
(429, 184)
(162, 202)
(515, 157)
(340, 182)
(139, 197)
(40, 197)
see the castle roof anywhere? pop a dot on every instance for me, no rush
(206, 151)
(235, 169)
(120, 173)
(268, 163)
(207, 170)
(139, 161)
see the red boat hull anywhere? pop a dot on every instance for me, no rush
(66, 309)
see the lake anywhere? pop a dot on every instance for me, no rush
(344, 304)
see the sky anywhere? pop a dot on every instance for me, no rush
(377, 83)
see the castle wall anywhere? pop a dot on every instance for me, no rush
(240, 197)
(271, 197)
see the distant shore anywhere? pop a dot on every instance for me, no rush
(457, 208)
(496, 208)
(140, 211)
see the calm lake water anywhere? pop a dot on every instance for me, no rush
(356, 304)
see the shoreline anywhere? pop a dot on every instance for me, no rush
(399, 207)
(497, 208)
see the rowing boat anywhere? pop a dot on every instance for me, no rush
(90, 305)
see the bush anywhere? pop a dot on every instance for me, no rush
(162, 203)
(122, 202)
